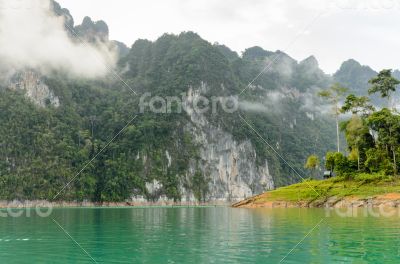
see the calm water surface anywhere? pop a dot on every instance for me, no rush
(199, 235)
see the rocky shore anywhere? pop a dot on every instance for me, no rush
(263, 201)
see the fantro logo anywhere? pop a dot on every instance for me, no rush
(18, 209)
(196, 103)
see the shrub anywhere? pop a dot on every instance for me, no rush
(368, 178)
(330, 161)
(343, 166)
(378, 161)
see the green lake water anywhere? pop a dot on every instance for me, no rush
(198, 235)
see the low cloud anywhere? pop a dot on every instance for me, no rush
(273, 101)
(253, 107)
(314, 104)
(32, 36)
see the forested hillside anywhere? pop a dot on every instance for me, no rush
(93, 128)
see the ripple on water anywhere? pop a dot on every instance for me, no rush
(199, 235)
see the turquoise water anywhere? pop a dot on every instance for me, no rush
(198, 235)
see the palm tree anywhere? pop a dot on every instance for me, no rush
(334, 95)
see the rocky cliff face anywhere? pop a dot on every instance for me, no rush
(228, 166)
(34, 87)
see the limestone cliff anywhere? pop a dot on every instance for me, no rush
(34, 87)
(229, 166)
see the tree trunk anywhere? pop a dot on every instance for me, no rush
(394, 161)
(337, 133)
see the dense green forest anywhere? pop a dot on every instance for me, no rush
(44, 148)
(96, 144)
(372, 135)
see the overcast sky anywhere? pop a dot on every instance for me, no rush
(333, 31)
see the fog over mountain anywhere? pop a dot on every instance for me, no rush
(45, 44)
(60, 108)
(332, 30)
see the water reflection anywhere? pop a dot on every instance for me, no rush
(200, 235)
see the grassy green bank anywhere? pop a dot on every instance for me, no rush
(361, 190)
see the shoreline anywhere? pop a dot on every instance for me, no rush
(361, 190)
(69, 204)
(384, 200)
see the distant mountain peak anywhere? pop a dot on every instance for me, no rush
(310, 62)
(93, 30)
(355, 76)
(56, 8)
(352, 61)
(353, 64)
(256, 52)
